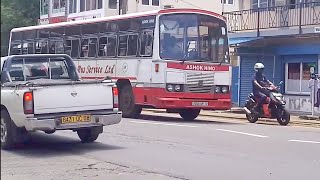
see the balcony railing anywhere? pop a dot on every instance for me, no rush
(296, 15)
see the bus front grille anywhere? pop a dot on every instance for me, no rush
(200, 82)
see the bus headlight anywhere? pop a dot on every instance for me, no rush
(170, 88)
(177, 88)
(217, 89)
(224, 89)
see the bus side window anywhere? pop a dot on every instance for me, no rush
(128, 45)
(146, 42)
(52, 47)
(89, 47)
(72, 47)
(132, 45)
(112, 46)
(59, 47)
(41, 47)
(107, 46)
(84, 48)
(123, 45)
(103, 47)
(16, 48)
(68, 46)
(93, 42)
(56, 47)
(28, 48)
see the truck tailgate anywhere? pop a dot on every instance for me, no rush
(70, 98)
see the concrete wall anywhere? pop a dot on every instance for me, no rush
(134, 6)
(300, 104)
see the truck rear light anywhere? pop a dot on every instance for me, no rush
(115, 97)
(28, 103)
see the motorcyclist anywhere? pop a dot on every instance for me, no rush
(260, 85)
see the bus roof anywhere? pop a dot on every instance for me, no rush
(118, 17)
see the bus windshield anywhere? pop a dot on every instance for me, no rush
(192, 37)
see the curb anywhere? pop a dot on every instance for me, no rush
(310, 117)
(312, 123)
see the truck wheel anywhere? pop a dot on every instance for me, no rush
(88, 135)
(127, 103)
(189, 114)
(8, 131)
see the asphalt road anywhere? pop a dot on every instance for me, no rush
(167, 148)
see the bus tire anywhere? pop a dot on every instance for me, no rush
(127, 103)
(189, 114)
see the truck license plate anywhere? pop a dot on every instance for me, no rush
(75, 119)
(200, 103)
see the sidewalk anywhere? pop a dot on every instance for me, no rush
(237, 113)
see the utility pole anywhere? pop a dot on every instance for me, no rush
(66, 9)
(119, 7)
(137, 5)
(49, 9)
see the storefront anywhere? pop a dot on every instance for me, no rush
(286, 60)
(296, 62)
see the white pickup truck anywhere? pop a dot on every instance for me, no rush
(45, 92)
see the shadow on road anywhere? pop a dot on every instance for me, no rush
(157, 118)
(43, 145)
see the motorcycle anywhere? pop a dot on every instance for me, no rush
(273, 108)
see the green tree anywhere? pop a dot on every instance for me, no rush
(16, 13)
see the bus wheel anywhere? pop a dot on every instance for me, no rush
(127, 103)
(189, 114)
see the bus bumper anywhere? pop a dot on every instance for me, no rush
(161, 99)
(178, 103)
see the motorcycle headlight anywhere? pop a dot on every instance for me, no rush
(217, 89)
(279, 98)
(177, 88)
(170, 88)
(225, 89)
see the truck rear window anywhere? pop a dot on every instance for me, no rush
(31, 69)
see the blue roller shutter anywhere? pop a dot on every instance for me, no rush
(247, 71)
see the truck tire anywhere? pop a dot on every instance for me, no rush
(127, 103)
(88, 135)
(8, 131)
(189, 114)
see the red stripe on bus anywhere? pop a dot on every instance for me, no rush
(197, 67)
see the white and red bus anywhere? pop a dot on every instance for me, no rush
(174, 59)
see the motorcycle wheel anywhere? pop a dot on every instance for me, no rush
(284, 117)
(252, 118)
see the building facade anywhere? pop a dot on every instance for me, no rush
(285, 36)
(53, 11)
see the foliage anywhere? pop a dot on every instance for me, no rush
(16, 13)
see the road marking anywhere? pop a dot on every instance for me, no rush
(303, 141)
(237, 132)
(164, 124)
